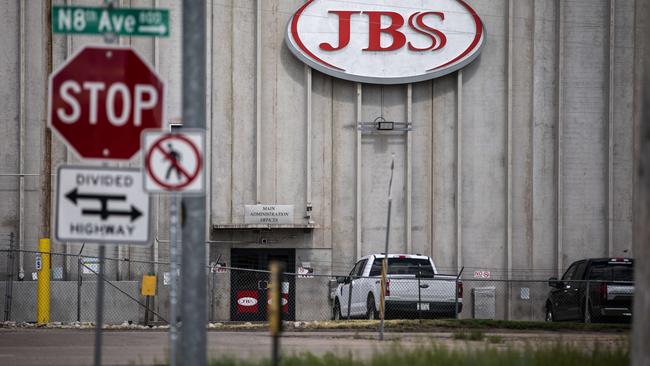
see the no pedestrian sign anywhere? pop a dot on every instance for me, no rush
(101, 205)
(174, 161)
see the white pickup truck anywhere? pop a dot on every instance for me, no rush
(414, 288)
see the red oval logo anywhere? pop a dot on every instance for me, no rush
(247, 301)
(386, 42)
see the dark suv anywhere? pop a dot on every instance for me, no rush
(593, 290)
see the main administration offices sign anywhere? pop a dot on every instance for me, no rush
(386, 41)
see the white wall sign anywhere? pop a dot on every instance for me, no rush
(101, 205)
(39, 262)
(482, 274)
(268, 214)
(386, 41)
(89, 265)
(306, 270)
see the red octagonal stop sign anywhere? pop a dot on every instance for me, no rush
(102, 99)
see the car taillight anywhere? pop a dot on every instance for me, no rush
(602, 291)
(459, 289)
(387, 287)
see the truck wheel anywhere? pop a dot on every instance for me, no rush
(371, 313)
(337, 310)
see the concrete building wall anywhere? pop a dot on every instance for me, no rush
(519, 164)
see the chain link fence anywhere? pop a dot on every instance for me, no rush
(238, 294)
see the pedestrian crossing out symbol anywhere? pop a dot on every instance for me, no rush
(174, 161)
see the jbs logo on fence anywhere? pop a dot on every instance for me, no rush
(386, 42)
(247, 301)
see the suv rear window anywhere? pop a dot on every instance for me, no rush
(403, 266)
(611, 272)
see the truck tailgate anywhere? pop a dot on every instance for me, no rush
(619, 295)
(431, 290)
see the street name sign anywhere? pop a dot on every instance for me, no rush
(174, 161)
(102, 205)
(103, 20)
(101, 99)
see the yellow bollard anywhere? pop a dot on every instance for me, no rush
(43, 295)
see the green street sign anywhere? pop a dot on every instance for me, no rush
(119, 21)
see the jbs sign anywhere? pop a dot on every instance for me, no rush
(386, 41)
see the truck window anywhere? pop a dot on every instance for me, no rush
(355, 269)
(580, 271)
(569, 272)
(361, 266)
(403, 266)
(611, 272)
(375, 270)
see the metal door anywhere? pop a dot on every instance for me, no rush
(248, 289)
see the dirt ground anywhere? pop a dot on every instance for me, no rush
(75, 346)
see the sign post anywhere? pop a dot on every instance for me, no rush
(193, 340)
(173, 163)
(99, 102)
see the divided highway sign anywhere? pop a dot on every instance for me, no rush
(101, 205)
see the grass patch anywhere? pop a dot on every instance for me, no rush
(474, 335)
(437, 324)
(557, 355)
(495, 339)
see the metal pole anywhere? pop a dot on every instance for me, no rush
(173, 261)
(420, 293)
(99, 309)
(99, 312)
(456, 300)
(193, 286)
(384, 266)
(456, 315)
(9, 285)
(79, 279)
(275, 311)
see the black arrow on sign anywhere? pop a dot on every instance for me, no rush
(103, 212)
(74, 195)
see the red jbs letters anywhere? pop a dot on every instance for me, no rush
(416, 21)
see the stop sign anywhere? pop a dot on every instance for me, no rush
(102, 99)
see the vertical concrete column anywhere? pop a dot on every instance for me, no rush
(509, 158)
(258, 102)
(641, 314)
(409, 169)
(43, 292)
(308, 205)
(22, 137)
(459, 170)
(610, 129)
(357, 173)
(560, 130)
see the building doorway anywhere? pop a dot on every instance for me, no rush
(248, 294)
